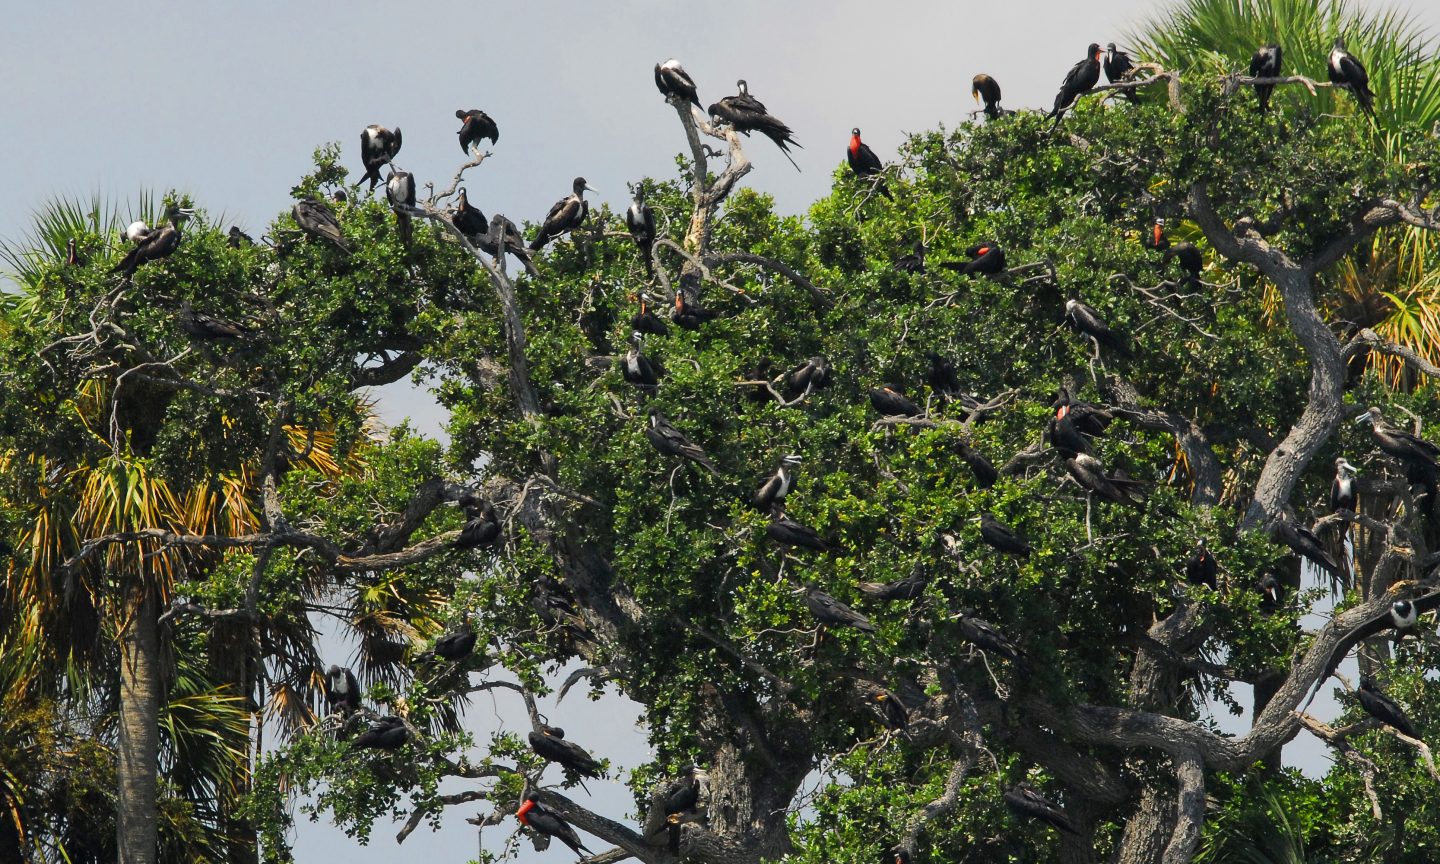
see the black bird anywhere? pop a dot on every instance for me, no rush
(987, 259)
(400, 191)
(1410, 449)
(892, 404)
(339, 196)
(1266, 62)
(1089, 419)
(475, 126)
(378, 146)
(1383, 708)
(640, 219)
(73, 258)
(1201, 568)
(470, 221)
(636, 368)
(1117, 65)
(549, 742)
(687, 315)
(541, 819)
(208, 328)
(648, 322)
(678, 802)
(238, 238)
(911, 587)
(1342, 488)
(482, 527)
(1347, 71)
(914, 262)
(1025, 801)
(567, 215)
(942, 377)
(342, 691)
(814, 374)
(1001, 536)
(672, 442)
(1191, 262)
(747, 114)
(318, 220)
(772, 492)
(1302, 541)
(985, 473)
(887, 706)
(1064, 435)
(674, 82)
(1089, 472)
(831, 612)
(983, 88)
(864, 162)
(1081, 78)
(787, 532)
(983, 635)
(159, 243)
(1084, 319)
(457, 644)
(386, 733)
(1272, 594)
(1402, 616)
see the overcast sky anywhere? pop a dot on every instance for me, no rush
(227, 101)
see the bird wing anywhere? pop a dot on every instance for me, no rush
(1353, 71)
(1379, 624)
(1089, 320)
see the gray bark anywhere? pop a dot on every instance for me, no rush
(138, 750)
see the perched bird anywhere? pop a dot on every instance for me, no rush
(342, 691)
(400, 191)
(1347, 71)
(1266, 62)
(1411, 450)
(468, 219)
(892, 404)
(1201, 568)
(1342, 488)
(541, 819)
(887, 706)
(318, 220)
(985, 258)
(914, 262)
(386, 733)
(1081, 78)
(1302, 541)
(772, 492)
(135, 232)
(238, 238)
(1084, 319)
(864, 162)
(550, 744)
(1089, 472)
(73, 258)
(1272, 595)
(567, 215)
(159, 243)
(831, 612)
(911, 587)
(475, 126)
(1402, 616)
(456, 644)
(208, 328)
(1025, 801)
(1089, 419)
(983, 635)
(787, 532)
(985, 473)
(1118, 66)
(672, 442)
(1064, 435)
(688, 315)
(942, 377)
(675, 83)
(1191, 262)
(678, 802)
(636, 368)
(983, 88)
(646, 321)
(1383, 708)
(482, 526)
(490, 236)
(339, 196)
(1001, 536)
(378, 146)
(814, 374)
(640, 219)
(747, 114)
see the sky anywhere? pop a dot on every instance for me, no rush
(227, 101)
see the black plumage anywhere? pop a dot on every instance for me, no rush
(1383, 708)
(1266, 62)
(888, 707)
(1347, 71)
(209, 328)
(986, 259)
(1088, 418)
(747, 114)
(157, 244)
(1001, 536)
(1084, 319)
(985, 473)
(984, 89)
(482, 526)
(342, 691)
(672, 442)
(1401, 616)
(378, 146)
(475, 126)
(914, 262)
(565, 216)
(1303, 542)
(1343, 495)
(1025, 801)
(636, 368)
(400, 192)
(787, 532)
(910, 587)
(550, 744)
(1191, 260)
(1411, 450)
(1064, 435)
(831, 612)
(687, 314)
(1089, 472)
(640, 220)
(456, 644)
(1272, 594)
(1201, 568)
(318, 220)
(1118, 66)
(864, 163)
(942, 377)
(237, 238)
(1081, 78)
(646, 321)
(674, 82)
(385, 733)
(892, 404)
(772, 492)
(811, 375)
(983, 635)
(541, 819)
(489, 237)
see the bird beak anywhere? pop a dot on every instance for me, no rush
(1362, 418)
(589, 188)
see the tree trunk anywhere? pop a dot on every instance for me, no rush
(136, 814)
(1149, 828)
